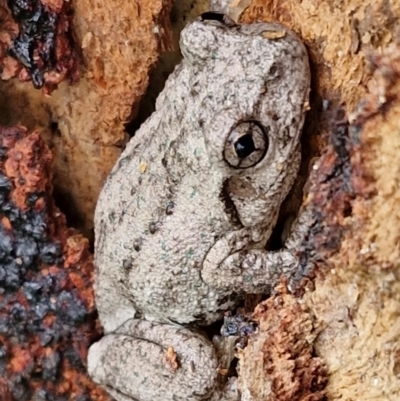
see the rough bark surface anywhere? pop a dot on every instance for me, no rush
(338, 35)
(356, 298)
(85, 123)
(280, 362)
(345, 322)
(350, 258)
(47, 312)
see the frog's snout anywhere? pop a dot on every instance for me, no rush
(201, 39)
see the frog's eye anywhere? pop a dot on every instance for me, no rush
(246, 145)
(211, 16)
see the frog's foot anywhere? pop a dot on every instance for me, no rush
(253, 271)
(258, 270)
(154, 362)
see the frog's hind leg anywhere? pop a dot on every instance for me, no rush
(154, 362)
(112, 265)
(113, 304)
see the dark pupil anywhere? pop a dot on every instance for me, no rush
(211, 16)
(244, 146)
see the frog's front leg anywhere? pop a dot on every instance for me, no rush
(252, 271)
(255, 270)
(136, 362)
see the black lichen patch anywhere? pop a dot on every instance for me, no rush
(36, 38)
(332, 195)
(44, 43)
(47, 315)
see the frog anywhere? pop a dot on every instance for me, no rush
(184, 218)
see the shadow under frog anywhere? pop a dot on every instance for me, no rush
(182, 221)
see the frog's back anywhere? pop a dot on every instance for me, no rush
(158, 215)
(153, 241)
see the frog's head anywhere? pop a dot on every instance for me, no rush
(252, 109)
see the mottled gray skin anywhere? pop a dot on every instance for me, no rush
(180, 233)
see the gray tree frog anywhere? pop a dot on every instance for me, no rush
(183, 219)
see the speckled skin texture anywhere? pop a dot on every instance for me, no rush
(183, 219)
